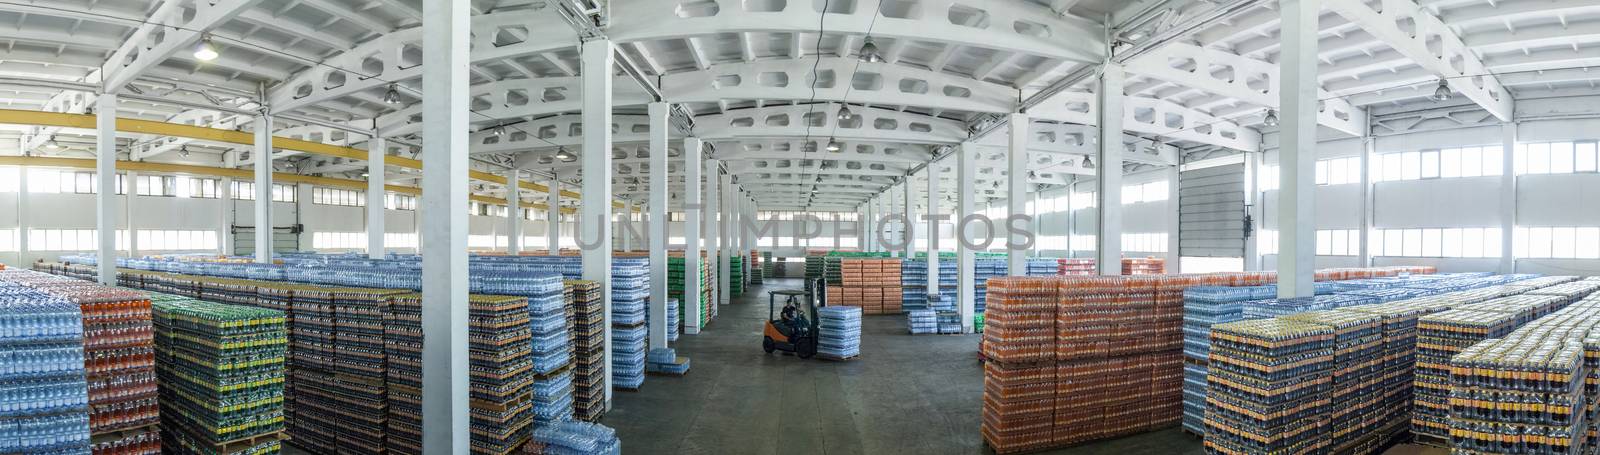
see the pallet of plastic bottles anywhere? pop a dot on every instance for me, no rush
(588, 339)
(1021, 322)
(575, 437)
(1270, 386)
(1144, 266)
(1441, 336)
(921, 322)
(221, 370)
(1075, 266)
(41, 335)
(736, 275)
(1019, 406)
(838, 332)
(674, 319)
(119, 354)
(1114, 396)
(1357, 369)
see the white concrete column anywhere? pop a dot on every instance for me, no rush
(626, 217)
(657, 230)
(1297, 241)
(1369, 146)
(725, 246)
(1108, 173)
(23, 248)
(594, 233)
(105, 198)
(225, 217)
(933, 228)
(514, 213)
(129, 207)
(894, 203)
(446, 28)
(909, 210)
(713, 229)
(691, 236)
(262, 156)
(966, 281)
(375, 197)
(1508, 195)
(1174, 224)
(1016, 192)
(552, 227)
(1252, 200)
(869, 224)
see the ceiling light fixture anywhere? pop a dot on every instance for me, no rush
(564, 155)
(1087, 164)
(499, 130)
(844, 113)
(1443, 92)
(834, 145)
(205, 51)
(869, 52)
(1271, 119)
(391, 96)
(184, 151)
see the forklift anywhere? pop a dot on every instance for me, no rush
(794, 328)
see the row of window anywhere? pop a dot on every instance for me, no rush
(87, 240)
(337, 196)
(1147, 242)
(791, 215)
(1555, 158)
(358, 240)
(1424, 242)
(1556, 242)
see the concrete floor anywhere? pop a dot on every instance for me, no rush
(905, 394)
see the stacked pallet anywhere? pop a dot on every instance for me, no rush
(1526, 392)
(1144, 266)
(1270, 387)
(1075, 266)
(1204, 307)
(1019, 381)
(630, 293)
(758, 269)
(676, 285)
(815, 266)
(736, 275)
(500, 374)
(588, 344)
(1443, 335)
(551, 345)
(871, 284)
(338, 393)
(119, 358)
(221, 370)
(48, 359)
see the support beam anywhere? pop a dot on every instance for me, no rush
(1017, 191)
(552, 227)
(1108, 184)
(725, 249)
(105, 199)
(908, 210)
(933, 228)
(657, 227)
(375, 198)
(1430, 43)
(142, 52)
(1336, 113)
(966, 170)
(445, 423)
(691, 235)
(514, 217)
(263, 186)
(714, 230)
(225, 217)
(1297, 157)
(1174, 226)
(1369, 150)
(594, 226)
(626, 218)
(129, 200)
(1508, 196)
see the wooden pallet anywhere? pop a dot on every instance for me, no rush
(838, 359)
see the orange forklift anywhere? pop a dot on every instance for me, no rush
(794, 328)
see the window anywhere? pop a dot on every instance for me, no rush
(396, 201)
(60, 181)
(1268, 180)
(1149, 242)
(1267, 242)
(1563, 157)
(340, 197)
(1144, 192)
(9, 176)
(156, 185)
(66, 240)
(350, 240)
(1441, 242)
(1084, 242)
(1442, 163)
(1339, 171)
(1558, 242)
(196, 187)
(9, 241)
(1082, 201)
(246, 191)
(176, 240)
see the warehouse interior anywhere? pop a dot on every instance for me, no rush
(870, 226)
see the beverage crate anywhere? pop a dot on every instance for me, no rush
(221, 371)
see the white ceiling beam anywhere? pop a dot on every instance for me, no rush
(142, 52)
(1483, 88)
(1253, 81)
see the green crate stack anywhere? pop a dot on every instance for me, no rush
(735, 275)
(833, 271)
(814, 267)
(221, 376)
(768, 267)
(675, 286)
(757, 270)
